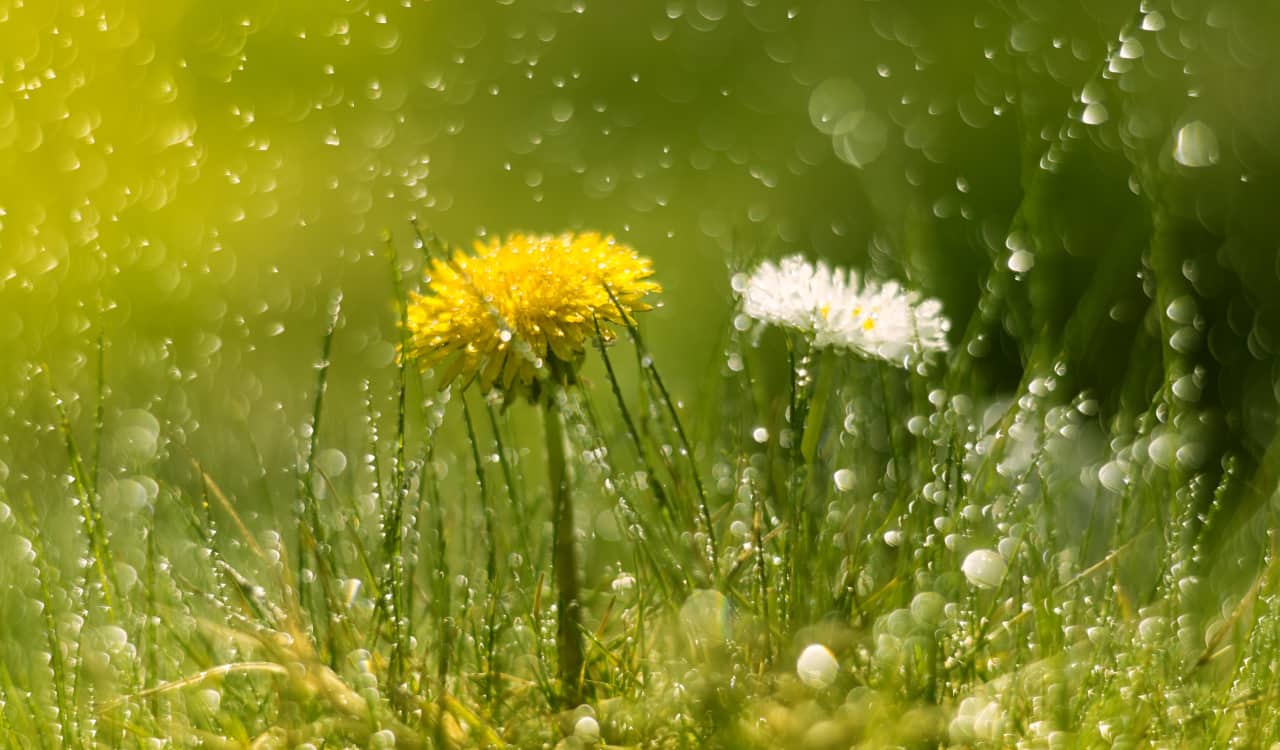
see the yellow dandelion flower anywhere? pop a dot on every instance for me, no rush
(508, 309)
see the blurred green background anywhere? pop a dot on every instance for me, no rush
(191, 181)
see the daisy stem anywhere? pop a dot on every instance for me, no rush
(564, 555)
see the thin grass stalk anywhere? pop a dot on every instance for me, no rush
(489, 640)
(440, 599)
(312, 538)
(648, 367)
(68, 717)
(645, 548)
(151, 651)
(396, 595)
(99, 416)
(402, 368)
(505, 462)
(90, 515)
(24, 699)
(762, 569)
(651, 475)
(5, 727)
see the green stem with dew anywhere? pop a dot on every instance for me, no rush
(564, 555)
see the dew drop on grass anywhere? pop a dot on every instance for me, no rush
(1095, 114)
(984, 568)
(1186, 388)
(1182, 310)
(587, 729)
(1191, 455)
(125, 496)
(135, 436)
(706, 616)
(1162, 450)
(927, 608)
(1021, 261)
(126, 577)
(1152, 630)
(817, 666)
(844, 479)
(898, 623)
(332, 462)
(1112, 475)
(623, 584)
(350, 590)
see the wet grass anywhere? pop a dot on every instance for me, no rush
(1045, 569)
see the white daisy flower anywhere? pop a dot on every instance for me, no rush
(883, 321)
(787, 293)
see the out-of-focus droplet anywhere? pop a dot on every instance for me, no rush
(817, 666)
(843, 479)
(984, 568)
(860, 138)
(833, 100)
(1196, 145)
(1021, 261)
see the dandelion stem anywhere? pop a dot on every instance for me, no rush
(564, 555)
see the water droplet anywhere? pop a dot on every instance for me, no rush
(1131, 49)
(817, 666)
(1095, 114)
(833, 100)
(927, 608)
(859, 138)
(1021, 261)
(332, 462)
(844, 479)
(1196, 145)
(984, 568)
(706, 616)
(1162, 450)
(587, 729)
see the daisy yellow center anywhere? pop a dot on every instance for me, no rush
(502, 312)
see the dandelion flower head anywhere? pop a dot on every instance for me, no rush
(510, 308)
(834, 309)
